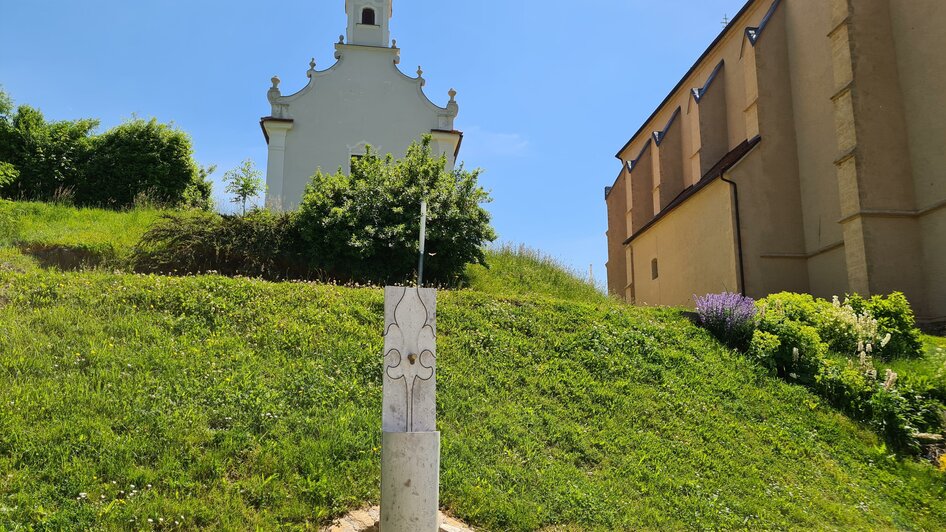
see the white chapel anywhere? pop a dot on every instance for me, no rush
(363, 99)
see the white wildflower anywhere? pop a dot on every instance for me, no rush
(891, 380)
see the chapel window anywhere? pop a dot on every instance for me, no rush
(367, 16)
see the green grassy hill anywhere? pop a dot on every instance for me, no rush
(39, 234)
(238, 404)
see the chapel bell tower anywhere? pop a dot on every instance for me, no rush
(369, 22)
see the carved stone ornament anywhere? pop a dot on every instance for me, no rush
(410, 359)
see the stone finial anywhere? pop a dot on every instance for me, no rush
(341, 39)
(273, 93)
(312, 64)
(420, 71)
(393, 43)
(453, 95)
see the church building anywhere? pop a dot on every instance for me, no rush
(803, 151)
(363, 99)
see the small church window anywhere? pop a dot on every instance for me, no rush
(654, 272)
(367, 16)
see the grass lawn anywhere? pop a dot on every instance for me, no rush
(931, 367)
(98, 236)
(525, 272)
(238, 404)
(205, 402)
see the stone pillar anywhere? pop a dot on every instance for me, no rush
(276, 130)
(884, 251)
(410, 454)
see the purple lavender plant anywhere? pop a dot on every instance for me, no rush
(730, 317)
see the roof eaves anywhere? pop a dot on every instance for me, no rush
(753, 34)
(731, 27)
(700, 92)
(721, 167)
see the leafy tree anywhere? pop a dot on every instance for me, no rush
(6, 105)
(49, 156)
(244, 183)
(8, 174)
(365, 225)
(199, 194)
(139, 157)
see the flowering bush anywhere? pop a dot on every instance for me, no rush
(894, 318)
(794, 336)
(730, 317)
(847, 331)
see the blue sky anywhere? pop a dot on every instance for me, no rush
(548, 90)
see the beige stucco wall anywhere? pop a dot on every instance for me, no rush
(917, 26)
(920, 44)
(772, 260)
(934, 246)
(847, 189)
(617, 234)
(812, 84)
(695, 250)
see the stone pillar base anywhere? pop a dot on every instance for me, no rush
(410, 482)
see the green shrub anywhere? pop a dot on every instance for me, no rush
(795, 333)
(927, 401)
(846, 386)
(796, 307)
(260, 244)
(896, 408)
(66, 162)
(365, 225)
(894, 317)
(50, 157)
(139, 156)
(362, 228)
(892, 415)
(763, 348)
(844, 329)
(800, 349)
